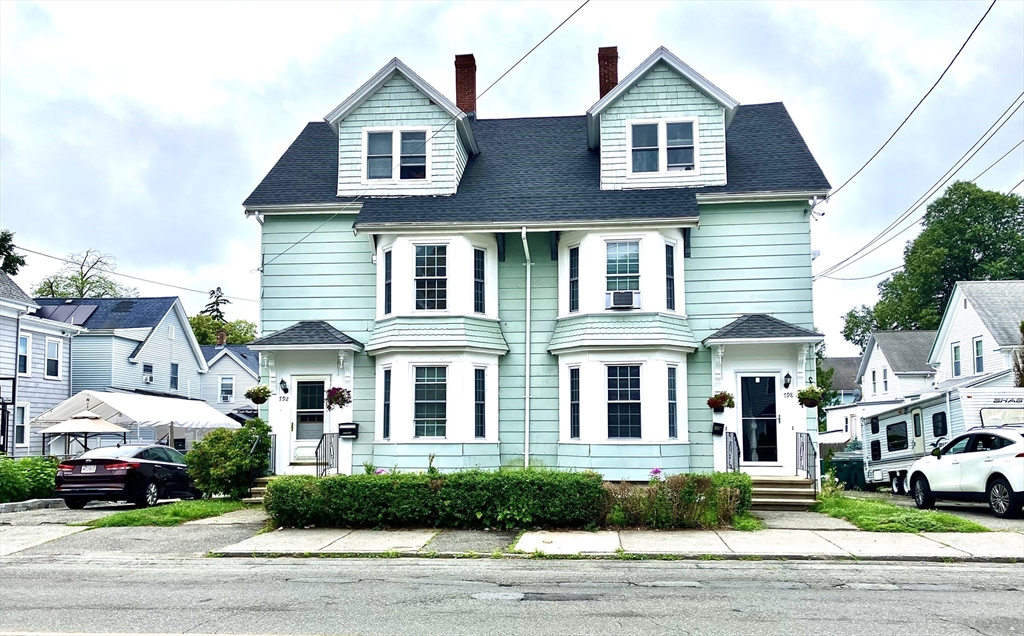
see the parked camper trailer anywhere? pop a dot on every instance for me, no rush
(896, 438)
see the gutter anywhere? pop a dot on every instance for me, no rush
(528, 352)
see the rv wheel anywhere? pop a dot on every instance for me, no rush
(897, 484)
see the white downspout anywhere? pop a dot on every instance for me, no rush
(529, 351)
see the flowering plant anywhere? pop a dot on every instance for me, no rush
(258, 394)
(810, 396)
(722, 400)
(655, 474)
(338, 397)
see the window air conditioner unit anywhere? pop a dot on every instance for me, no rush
(225, 398)
(147, 378)
(622, 300)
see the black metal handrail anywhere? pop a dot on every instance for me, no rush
(272, 467)
(327, 454)
(732, 452)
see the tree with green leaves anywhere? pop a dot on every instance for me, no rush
(206, 327)
(214, 308)
(969, 234)
(10, 261)
(85, 275)
(829, 397)
(1018, 360)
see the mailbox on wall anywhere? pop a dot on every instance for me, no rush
(717, 428)
(349, 430)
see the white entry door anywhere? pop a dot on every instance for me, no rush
(759, 420)
(309, 417)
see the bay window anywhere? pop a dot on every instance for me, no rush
(431, 277)
(624, 402)
(430, 406)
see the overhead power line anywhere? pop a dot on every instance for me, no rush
(891, 269)
(129, 276)
(907, 118)
(437, 132)
(998, 160)
(960, 163)
(1016, 186)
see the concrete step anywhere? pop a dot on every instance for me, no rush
(762, 503)
(257, 491)
(263, 481)
(781, 481)
(253, 500)
(784, 491)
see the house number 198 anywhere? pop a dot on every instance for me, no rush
(788, 394)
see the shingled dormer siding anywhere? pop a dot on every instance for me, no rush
(399, 104)
(663, 94)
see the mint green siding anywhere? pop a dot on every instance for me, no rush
(447, 457)
(399, 103)
(512, 369)
(631, 462)
(663, 93)
(441, 331)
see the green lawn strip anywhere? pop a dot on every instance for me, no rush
(747, 522)
(169, 514)
(881, 516)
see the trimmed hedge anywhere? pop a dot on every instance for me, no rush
(504, 499)
(27, 478)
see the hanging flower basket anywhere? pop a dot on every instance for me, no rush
(337, 397)
(258, 394)
(810, 396)
(721, 401)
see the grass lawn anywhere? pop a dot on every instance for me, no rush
(169, 514)
(881, 516)
(747, 523)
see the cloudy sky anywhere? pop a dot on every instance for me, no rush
(138, 128)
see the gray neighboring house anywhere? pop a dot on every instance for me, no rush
(844, 377)
(35, 365)
(134, 344)
(233, 370)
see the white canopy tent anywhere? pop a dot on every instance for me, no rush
(135, 411)
(80, 427)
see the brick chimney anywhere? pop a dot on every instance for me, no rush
(222, 338)
(465, 83)
(607, 68)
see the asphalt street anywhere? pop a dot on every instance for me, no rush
(135, 594)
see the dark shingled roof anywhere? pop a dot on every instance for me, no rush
(844, 376)
(540, 169)
(760, 326)
(117, 313)
(248, 357)
(906, 351)
(306, 332)
(11, 291)
(1000, 305)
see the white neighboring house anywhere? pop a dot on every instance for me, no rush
(233, 370)
(979, 331)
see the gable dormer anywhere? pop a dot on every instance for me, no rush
(663, 126)
(397, 135)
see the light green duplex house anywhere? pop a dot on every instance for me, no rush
(556, 291)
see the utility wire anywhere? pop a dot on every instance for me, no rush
(144, 280)
(998, 160)
(872, 157)
(439, 130)
(984, 139)
(1016, 186)
(893, 269)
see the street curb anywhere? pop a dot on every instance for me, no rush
(31, 504)
(611, 556)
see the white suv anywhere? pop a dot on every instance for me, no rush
(983, 464)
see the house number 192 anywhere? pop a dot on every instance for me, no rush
(282, 398)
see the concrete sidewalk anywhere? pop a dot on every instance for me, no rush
(685, 544)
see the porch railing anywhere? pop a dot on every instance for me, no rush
(732, 452)
(271, 468)
(327, 454)
(806, 457)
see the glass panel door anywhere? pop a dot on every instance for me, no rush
(759, 428)
(309, 410)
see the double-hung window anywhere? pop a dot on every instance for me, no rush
(380, 157)
(670, 277)
(874, 382)
(956, 360)
(679, 145)
(387, 404)
(147, 373)
(662, 146)
(24, 354)
(479, 262)
(20, 426)
(623, 402)
(387, 282)
(414, 155)
(979, 356)
(430, 408)
(227, 388)
(174, 376)
(53, 348)
(480, 403)
(309, 410)
(574, 403)
(645, 147)
(431, 277)
(574, 279)
(623, 266)
(673, 414)
(885, 379)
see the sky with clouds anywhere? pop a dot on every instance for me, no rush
(138, 128)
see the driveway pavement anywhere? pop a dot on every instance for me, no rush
(976, 512)
(61, 516)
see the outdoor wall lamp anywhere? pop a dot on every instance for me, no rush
(786, 381)
(284, 386)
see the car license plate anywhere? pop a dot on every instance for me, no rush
(88, 469)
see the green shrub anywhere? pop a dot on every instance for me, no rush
(224, 461)
(14, 485)
(680, 501)
(466, 499)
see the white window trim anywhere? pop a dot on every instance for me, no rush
(487, 382)
(885, 379)
(874, 382)
(618, 440)
(487, 262)
(220, 386)
(175, 376)
(640, 269)
(412, 279)
(663, 170)
(383, 280)
(391, 401)
(675, 275)
(412, 384)
(974, 354)
(955, 346)
(170, 332)
(25, 424)
(47, 358)
(28, 356)
(151, 373)
(396, 157)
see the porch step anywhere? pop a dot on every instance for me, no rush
(258, 490)
(758, 503)
(782, 493)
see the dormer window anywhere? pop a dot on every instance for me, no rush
(662, 146)
(413, 148)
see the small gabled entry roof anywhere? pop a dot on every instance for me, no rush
(306, 334)
(752, 328)
(396, 66)
(676, 64)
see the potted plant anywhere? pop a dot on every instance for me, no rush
(721, 401)
(810, 396)
(337, 397)
(258, 394)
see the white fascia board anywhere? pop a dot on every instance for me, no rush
(763, 341)
(193, 343)
(868, 349)
(945, 325)
(438, 348)
(231, 354)
(50, 327)
(650, 345)
(531, 226)
(307, 347)
(305, 208)
(345, 108)
(759, 197)
(6, 303)
(660, 55)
